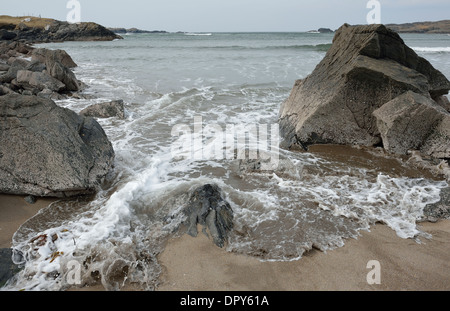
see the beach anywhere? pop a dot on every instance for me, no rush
(14, 211)
(196, 264)
(301, 225)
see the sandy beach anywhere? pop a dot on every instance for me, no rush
(196, 264)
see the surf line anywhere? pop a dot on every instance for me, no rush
(236, 141)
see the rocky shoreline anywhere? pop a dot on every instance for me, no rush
(366, 91)
(46, 150)
(41, 30)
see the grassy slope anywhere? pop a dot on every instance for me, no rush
(423, 27)
(34, 22)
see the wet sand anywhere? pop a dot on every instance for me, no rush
(14, 211)
(196, 264)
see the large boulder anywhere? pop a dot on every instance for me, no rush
(365, 68)
(209, 209)
(46, 150)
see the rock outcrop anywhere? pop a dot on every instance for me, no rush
(207, 207)
(343, 100)
(46, 150)
(38, 30)
(36, 71)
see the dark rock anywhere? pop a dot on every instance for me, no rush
(47, 150)
(365, 68)
(105, 110)
(7, 35)
(57, 31)
(5, 90)
(16, 65)
(207, 207)
(30, 199)
(7, 266)
(36, 66)
(30, 80)
(325, 30)
(439, 210)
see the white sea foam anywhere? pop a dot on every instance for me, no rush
(198, 34)
(432, 49)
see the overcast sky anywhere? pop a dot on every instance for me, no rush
(231, 15)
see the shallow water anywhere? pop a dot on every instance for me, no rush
(205, 85)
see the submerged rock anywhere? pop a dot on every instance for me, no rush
(46, 150)
(439, 210)
(7, 267)
(207, 207)
(365, 68)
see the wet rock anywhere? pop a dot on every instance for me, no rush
(47, 150)
(7, 267)
(365, 68)
(439, 210)
(30, 199)
(105, 110)
(208, 208)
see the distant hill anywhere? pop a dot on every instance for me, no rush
(422, 27)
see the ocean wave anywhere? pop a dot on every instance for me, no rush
(432, 49)
(197, 34)
(306, 47)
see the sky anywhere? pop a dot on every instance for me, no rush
(231, 15)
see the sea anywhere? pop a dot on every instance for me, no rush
(197, 106)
